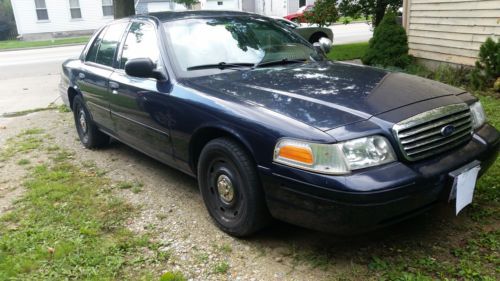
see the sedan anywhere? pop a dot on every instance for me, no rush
(310, 33)
(272, 129)
(298, 16)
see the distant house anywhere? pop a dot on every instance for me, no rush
(450, 30)
(264, 7)
(41, 19)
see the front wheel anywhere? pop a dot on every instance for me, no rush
(231, 188)
(89, 134)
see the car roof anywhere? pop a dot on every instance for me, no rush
(177, 15)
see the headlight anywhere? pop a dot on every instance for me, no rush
(477, 114)
(338, 158)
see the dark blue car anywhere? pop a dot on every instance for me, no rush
(271, 128)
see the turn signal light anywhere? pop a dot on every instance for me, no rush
(297, 153)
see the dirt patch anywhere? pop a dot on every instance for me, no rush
(173, 214)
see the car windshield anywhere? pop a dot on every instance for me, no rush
(204, 46)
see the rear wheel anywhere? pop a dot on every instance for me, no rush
(231, 189)
(89, 134)
(316, 36)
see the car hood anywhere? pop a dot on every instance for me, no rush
(324, 95)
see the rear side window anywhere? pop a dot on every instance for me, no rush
(109, 43)
(92, 52)
(141, 42)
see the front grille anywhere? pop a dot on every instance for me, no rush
(434, 131)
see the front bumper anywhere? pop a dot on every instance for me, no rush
(375, 197)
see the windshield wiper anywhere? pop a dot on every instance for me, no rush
(279, 62)
(221, 65)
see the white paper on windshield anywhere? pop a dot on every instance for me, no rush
(463, 188)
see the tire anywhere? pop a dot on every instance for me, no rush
(316, 36)
(87, 130)
(231, 188)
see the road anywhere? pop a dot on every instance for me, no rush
(351, 33)
(29, 78)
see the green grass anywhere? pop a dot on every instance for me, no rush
(348, 51)
(346, 20)
(16, 44)
(221, 267)
(68, 225)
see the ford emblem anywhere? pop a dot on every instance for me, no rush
(447, 130)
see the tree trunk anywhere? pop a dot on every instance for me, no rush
(123, 8)
(380, 7)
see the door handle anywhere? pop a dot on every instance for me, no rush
(81, 75)
(114, 86)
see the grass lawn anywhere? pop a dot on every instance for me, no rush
(16, 44)
(348, 51)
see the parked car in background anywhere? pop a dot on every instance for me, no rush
(310, 33)
(298, 16)
(273, 129)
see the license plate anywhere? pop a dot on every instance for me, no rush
(464, 182)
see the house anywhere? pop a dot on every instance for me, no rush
(264, 7)
(450, 31)
(44, 19)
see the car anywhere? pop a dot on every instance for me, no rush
(298, 16)
(310, 33)
(270, 127)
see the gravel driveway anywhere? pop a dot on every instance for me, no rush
(171, 208)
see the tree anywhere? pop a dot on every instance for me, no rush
(324, 13)
(187, 3)
(487, 71)
(389, 45)
(7, 21)
(374, 8)
(123, 8)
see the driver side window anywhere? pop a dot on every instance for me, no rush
(141, 42)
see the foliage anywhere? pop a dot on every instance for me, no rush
(324, 13)
(173, 276)
(487, 70)
(369, 8)
(16, 44)
(187, 3)
(7, 21)
(389, 45)
(348, 51)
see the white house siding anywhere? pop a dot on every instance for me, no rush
(59, 16)
(226, 5)
(450, 30)
(164, 6)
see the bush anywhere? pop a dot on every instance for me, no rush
(487, 70)
(324, 13)
(389, 45)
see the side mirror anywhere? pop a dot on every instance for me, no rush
(324, 45)
(142, 67)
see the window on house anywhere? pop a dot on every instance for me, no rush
(74, 7)
(220, 3)
(107, 8)
(41, 10)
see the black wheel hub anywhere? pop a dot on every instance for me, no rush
(224, 194)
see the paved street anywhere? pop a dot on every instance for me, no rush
(351, 33)
(29, 78)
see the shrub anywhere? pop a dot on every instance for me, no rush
(389, 45)
(324, 13)
(487, 70)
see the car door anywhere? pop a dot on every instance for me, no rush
(139, 106)
(93, 78)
